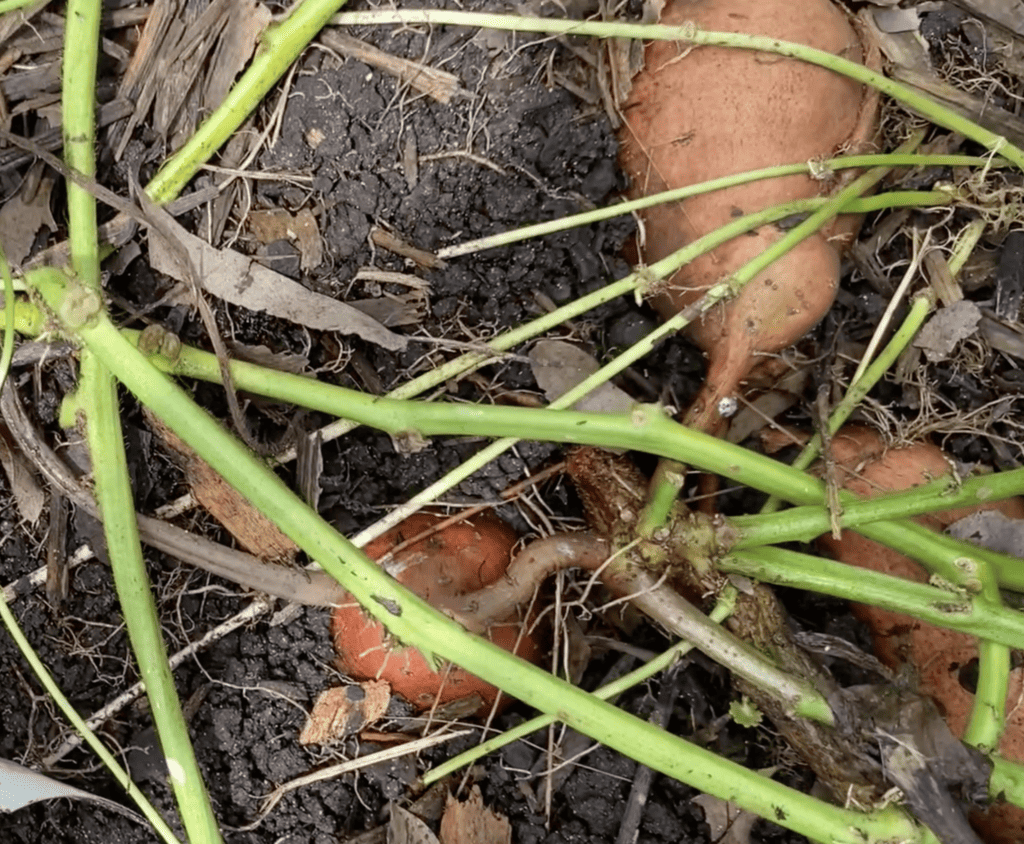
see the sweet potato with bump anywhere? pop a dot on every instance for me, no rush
(939, 656)
(698, 113)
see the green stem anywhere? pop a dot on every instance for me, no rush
(586, 218)
(988, 713)
(692, 35)
(966, 240)
(921, 305)
(81, 50)
(803, 524)
(645, 429)
(14, 5)
(98, 394)
(281, 44)
(10, 320)
(412, 621)
(1007, 780)
(99, 397)
(942, 608)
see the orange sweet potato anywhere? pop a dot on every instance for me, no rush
(697, 114)
(456, 560)
(938, 655)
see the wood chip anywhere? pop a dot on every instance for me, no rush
(300, 228)
(439, 84)
(393, 243)
(344, 711)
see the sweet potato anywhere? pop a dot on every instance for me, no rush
(456, 560)
(938, 655)
(697, 114)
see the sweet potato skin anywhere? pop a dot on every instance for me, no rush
(459, 559)
(938, 655)
(701, 113)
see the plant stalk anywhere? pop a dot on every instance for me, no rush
(411, 620)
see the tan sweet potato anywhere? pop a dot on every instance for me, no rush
(706, 112)
(938, 655)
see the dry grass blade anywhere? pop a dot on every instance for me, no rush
(439, 84)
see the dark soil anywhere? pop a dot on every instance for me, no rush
(538, 152)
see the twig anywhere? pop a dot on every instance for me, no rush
(629, 830)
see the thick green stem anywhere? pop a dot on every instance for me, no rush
(645, 429)
(1007, 780)
(412, 621)
(98, 394)
(99, 397)
(78, 99)
(988, 714)
(928, 603)
(803, 524)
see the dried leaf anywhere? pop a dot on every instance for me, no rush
(993, 530)
(436, 83)
(238, 279)
(560, 366)
(936, 772)
(1002, 336)
(1010, 15)
(395, 309)
(269, 359)
(20, 787)
(393, 243)
(26, 491)
(405, 828)
(947, 328)
(20, 221)
(473, 823)
(772, 404)
(246, 22)
(252, 530)
(729, 823)
(898, 20)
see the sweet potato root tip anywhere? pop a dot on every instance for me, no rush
(709, 112)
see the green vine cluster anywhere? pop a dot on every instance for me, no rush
(656, 534)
